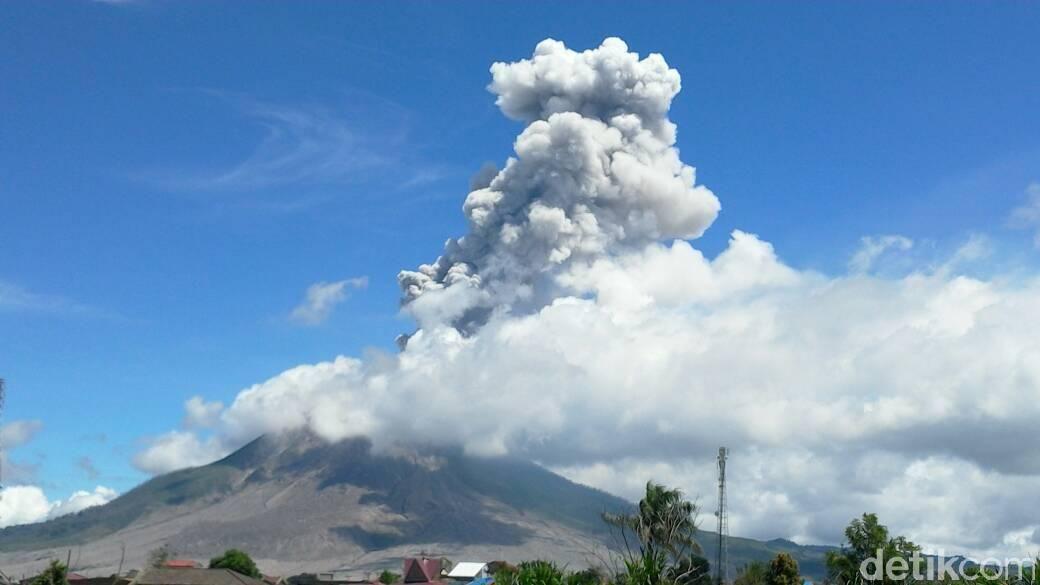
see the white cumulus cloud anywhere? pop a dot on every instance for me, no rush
(200, 414)
(177, 450)
(588, 334)
(26, 504)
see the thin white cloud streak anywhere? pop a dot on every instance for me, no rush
(872, 247)
(86, 465)
(13, 435)
(322, 298)
(1027, 216)
(17, 298)
(17, 433)
(309, 145)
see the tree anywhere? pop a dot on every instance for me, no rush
(753, 573)
(584, 577)
(389, 577)
(505, 575)
(55, 574)
(157, 557)
(665, 522)
(658, 540)
(783, 570)
(866, 537)
(693, 570)
(538, 573)
(237, 561)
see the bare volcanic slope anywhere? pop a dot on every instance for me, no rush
(297, 500)
(298, 503)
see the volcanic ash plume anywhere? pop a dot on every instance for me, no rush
(564, 327)
(596, 172)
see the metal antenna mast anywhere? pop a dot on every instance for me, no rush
(723, 527)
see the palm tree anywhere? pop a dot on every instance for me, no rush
(659, 539)
(666, 522)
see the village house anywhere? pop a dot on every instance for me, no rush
(193, 576)
(468, 572)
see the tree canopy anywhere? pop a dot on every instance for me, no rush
(237, 561)
(753, 573)
(55, 574)
(865, 536)
(783, 570)
(659, 540)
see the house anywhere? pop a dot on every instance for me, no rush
(110, 580)
(422, 570)
(468, 571)
(345, 577)
(193, 576)
(182, 564)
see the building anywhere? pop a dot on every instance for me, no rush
(468, 571)
(345, 577)
(192, 576)
(422, 570)
(182, 564)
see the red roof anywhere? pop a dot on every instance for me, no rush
(422, 570)
(181, 564)
(75, 577)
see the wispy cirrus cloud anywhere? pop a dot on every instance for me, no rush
(311, 145)
(87, 466)
(13, 435)
(872, 247)
(1027, 215)
(14, 297)
(322, 298)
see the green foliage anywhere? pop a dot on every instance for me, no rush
(55, 574)
(538, 573)
(505, 576)
(586, 577)
(753, 573)
(783, 570)
(389, 577)
(545, 573)
(649, 568)
(157, 557)
(659, 541)
(665, 522)
(865, 536)
(692, 570)
(237, 561)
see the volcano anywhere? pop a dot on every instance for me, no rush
(298, 503)
(294, 500)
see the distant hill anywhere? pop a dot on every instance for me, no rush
(298, 503)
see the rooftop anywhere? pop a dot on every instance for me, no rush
(189, 576)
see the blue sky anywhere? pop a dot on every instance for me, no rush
(174, 176)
